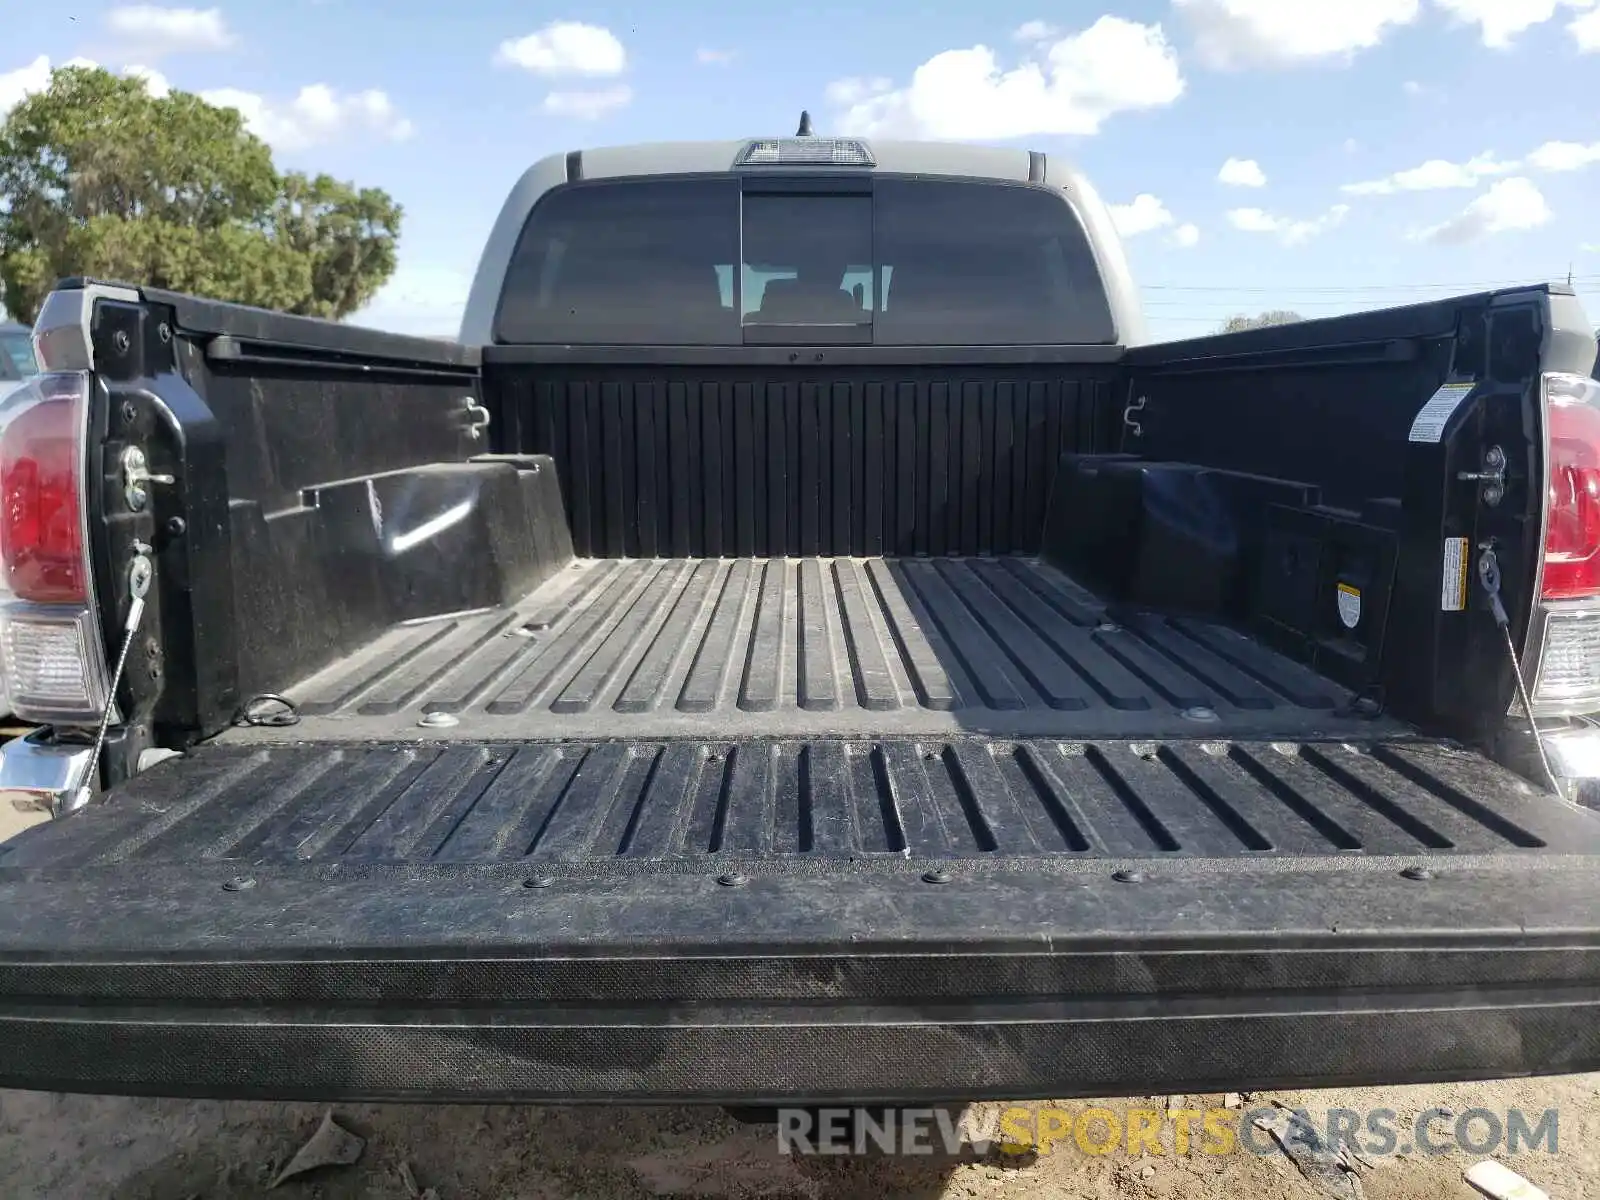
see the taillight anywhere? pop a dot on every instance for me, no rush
(41, 481)
(49, 634)
(1572, 507)
(1568, 678)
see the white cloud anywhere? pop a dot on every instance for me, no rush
(318, 114)
(425, 300)
(1351, 146)
(588, 105)
(1502, 20)
(1242, 172)
(149, 31)
(15, 86)
(1586, 32)
(1287, 230)
(1070, 86)
(566, 48)
(1230, 34)
(1185, 236)
(707, 57)
(1035, 31)
(155, 82)
(843, 93)
(1433, 175)
(1511, 204)
(1145, 214)
(1412, 88)
(1565, 156)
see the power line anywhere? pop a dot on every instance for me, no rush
(1376, 288)
(1213, 304)
(1228, 304)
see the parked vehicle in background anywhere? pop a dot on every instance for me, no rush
(803, 644)
(16, 357)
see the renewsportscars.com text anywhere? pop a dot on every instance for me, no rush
(1216, 1131)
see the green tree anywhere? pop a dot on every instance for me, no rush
(1277, 316)
(98, 177)
(346, 238)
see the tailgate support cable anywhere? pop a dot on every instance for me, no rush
(1489, 577)
(140, 572)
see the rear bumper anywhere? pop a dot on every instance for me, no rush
(1572, 750)
(872, 986)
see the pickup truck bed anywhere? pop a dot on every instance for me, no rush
(796, 647)
(721, 726)
(655, 710)
(943, 800)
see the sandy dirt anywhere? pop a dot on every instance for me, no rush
(13, 821)
(136, 1149)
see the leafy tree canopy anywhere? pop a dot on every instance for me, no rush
(100, 178)
(1278, 316)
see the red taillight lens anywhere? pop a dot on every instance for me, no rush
(1572, 515)
(41, 510)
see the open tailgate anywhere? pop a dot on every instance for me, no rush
(760, 921)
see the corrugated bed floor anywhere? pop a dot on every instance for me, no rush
(806, 647)
(820, 802)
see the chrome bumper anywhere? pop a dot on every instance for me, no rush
(1575, 757)
(39, 774)
(1572, 747)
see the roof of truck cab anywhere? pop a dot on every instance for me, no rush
(890, 156)
(898, 157)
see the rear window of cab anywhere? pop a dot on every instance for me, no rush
(897, 261)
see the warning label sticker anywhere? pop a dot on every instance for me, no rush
(1436, 413)
(1349, 605)
(1454, 595)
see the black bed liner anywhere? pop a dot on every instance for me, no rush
(803, 647)
(940, 830)
(831, 804)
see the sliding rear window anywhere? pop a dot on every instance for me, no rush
(632, 262)
(895, 261)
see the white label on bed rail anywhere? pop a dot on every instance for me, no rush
(1349, 605)
(1454, 596)
(1436, 413)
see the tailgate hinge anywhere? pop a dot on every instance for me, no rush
(1492, 477)
(135, 476)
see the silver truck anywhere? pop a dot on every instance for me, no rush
(802, 644)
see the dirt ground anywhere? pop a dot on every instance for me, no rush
(129, 1149)
(118, 1148)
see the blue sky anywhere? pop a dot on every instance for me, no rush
(1383, 151)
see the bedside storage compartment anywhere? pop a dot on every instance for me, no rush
(1323, 592)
